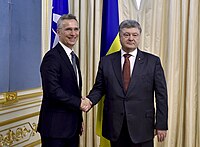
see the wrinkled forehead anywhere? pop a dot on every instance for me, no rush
(130, 30)
(70, 22)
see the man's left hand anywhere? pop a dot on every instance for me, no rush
(161, 135)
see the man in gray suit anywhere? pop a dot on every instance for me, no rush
(129, 79)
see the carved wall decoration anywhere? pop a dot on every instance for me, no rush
(18, 134)
(9, 98)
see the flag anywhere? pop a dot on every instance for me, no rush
(109, 43)
(59, 8)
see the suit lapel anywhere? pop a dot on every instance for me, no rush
(116, 61)
(66, 59)
(137, 69)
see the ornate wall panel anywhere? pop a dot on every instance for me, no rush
(19, 117)
(23, 39)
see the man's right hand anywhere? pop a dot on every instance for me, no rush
(86, 104)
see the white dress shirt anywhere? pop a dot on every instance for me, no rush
(68, 52)
(131, 59)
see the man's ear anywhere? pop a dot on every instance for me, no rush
(58, 32)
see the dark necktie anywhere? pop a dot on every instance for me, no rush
(73, 56)
(126, 71)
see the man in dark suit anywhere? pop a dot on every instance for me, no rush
(60, 120)
(129, 79)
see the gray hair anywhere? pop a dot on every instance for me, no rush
(130, 24)
(64, 17)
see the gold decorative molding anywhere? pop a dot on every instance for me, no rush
(18, 119)
(36, 103)
(30, 95)
(9, 98)
(18, 134)
(13, 97)
(2, 101)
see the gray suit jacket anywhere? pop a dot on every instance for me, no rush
(137, 105)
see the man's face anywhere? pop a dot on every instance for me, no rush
(130, 39)
(69, 32)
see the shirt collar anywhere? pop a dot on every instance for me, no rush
(133, 53)
(67, 50)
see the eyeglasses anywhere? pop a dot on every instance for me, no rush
(127, 35)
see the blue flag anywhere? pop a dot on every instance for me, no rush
(110, 24)
(59, 8)
(109, 44)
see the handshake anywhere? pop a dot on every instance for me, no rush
(86, 104)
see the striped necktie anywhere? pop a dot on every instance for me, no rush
(73, 57)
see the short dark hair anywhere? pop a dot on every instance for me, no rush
(130, 24)
(63, 17)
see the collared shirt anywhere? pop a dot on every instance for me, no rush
(68, 52)
(131, 58)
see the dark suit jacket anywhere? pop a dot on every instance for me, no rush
(60, 114)
(137, 105)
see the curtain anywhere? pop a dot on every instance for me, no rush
(171, 30)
